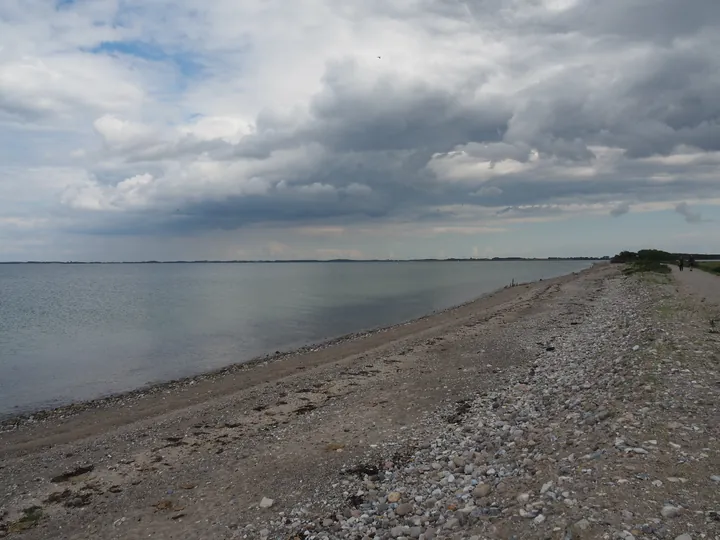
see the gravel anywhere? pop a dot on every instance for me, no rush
(571, 446)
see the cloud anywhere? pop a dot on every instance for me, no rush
(690, 217)
(194, 117)
(487, 191)
(620, 210)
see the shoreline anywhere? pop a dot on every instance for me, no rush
(10, 421)
(578, 407)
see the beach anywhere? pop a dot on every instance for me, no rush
(574, 407)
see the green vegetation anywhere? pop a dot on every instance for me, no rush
(30, 518)
(710, 266)
(642, 266)
(645, 256)
(645, 260)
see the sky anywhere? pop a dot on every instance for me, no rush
(217, 129)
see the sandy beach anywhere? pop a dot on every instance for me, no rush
(578, 407)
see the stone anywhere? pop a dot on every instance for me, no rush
(404, 509)
(669, 511)
(715, 478)
(540, 518)
(394, 497)
(684, 536)
(582, 525)
(546, 487)
(483, 490)
(266, 503)
(523, 498)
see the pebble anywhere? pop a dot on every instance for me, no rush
(669, 511)
(404, 509)
(487, 449)
(266, 503)
(483, 490)
(582, 525)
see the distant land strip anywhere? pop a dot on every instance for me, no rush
(472, 259)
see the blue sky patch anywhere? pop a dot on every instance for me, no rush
(186, 64)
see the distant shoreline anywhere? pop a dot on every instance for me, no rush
(494, 259)
(112, 399)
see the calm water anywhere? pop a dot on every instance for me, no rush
(77, 332)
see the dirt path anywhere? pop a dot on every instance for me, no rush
(703, 285)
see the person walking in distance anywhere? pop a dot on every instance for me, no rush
(681, 263)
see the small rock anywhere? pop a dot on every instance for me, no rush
(669, 511)
(266, 503)
(483, 490)
(582, 525)
(394, 497)
(540, 518)
(715, 478)
(404, 509)
(452, 523)
(685, 536)
(546, 486)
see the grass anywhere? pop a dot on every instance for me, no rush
(710, 266)
(643, 266)
(30, 518)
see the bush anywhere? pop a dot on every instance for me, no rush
(649, 255)
(624, 257)
(656, 255)
(646, 266)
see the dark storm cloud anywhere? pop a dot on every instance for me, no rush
(629, 74)
(392, 115)
(684, 210)
(620, 210)
(659, 21)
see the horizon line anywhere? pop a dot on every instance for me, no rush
(257, 261)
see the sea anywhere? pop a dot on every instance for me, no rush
(75, 332)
